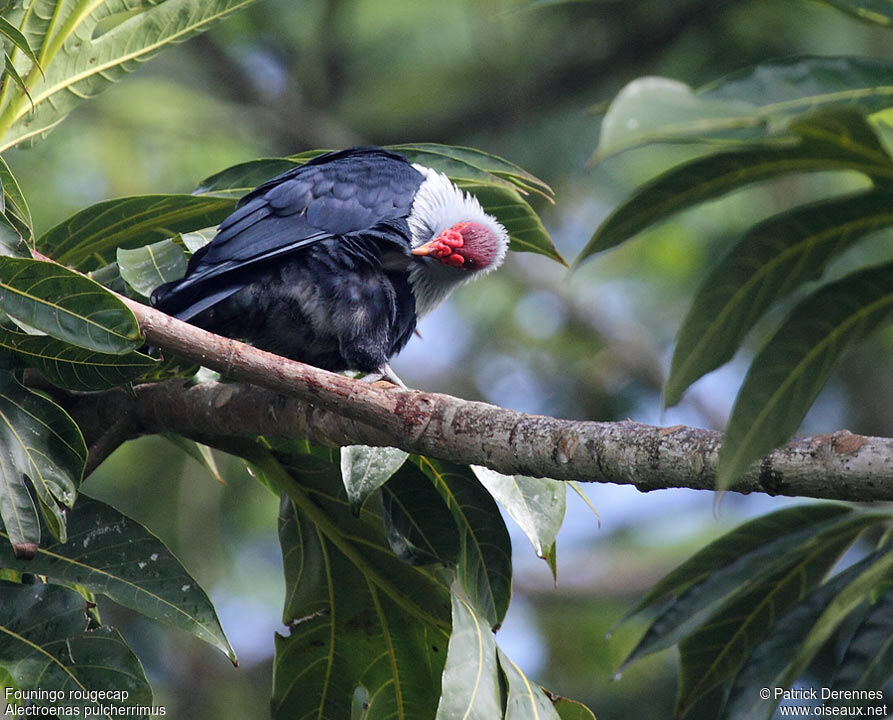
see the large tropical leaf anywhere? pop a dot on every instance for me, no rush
(365, 469)
(471, 675)
(90, 239)
(789, 371)
(715, 651)
(485, 566)
(72, 367)
(747, 105)
(147, 267)
(66, 306)
(110, 554)
(46, 644)
(826, 141)
(769, 262)
(867, 661)
(81, 58)
(38, 440)
(526, 700)
(780, 657)
(349, 638)
(420, 527)
(762, 566)
(536, 504)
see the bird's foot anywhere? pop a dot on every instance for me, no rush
(384, 372)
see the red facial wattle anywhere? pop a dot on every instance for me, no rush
(466, 245)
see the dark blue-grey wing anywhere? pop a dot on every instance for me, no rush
(332, 195)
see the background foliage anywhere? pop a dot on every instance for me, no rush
(283, 77)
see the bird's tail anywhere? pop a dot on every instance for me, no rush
(184, 300)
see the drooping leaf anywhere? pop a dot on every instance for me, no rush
(72, 367)
(472, 165)
(715, 651)
(748, 105)
(351, 647)
(79, 62)
(110, 554)
(365, 469)
(419, 526)
(792, 367)
(840, 140)
(746, 538)
(526, 700)
(38, 440)
(867, 661)
(146, 267)
(66, 306)
(485, 567)
(695, 605)
(525, 229)
(773, 259)
(90, 238)
(879, 12)
(14, 35)
(572, 710)
(536, 504)
(314, 486)
(471, 675)
(45, 644)
(15, 205)
(236, 181)
(200, 453)
(771, 664)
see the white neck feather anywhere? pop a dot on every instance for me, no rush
(438, 206)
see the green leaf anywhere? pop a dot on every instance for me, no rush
(79, 60)
(525, 229)
(485, 565)
(314, 486)
(536, 504)
(471, 675)
(66, 306)
(145, 268)
(827, 141)
(419, 526)
(715, 651)
(751, 104)
(472, 165)
(44, 645)
(700, 601)
(72, 367)
(38, 440)
(365, 469)
(873, 11)
(202, 454)
(14, 35)
(15, 205)
(90, 238)
(772, 260)
(867, 661)
(746, 538)
(236, 181)
(792, 367)
(526, 701)
(350, 643)
(572, 710)
(110, 554)
(771, 664)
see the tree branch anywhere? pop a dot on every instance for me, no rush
(300, 401)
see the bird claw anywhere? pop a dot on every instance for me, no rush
(385, 373)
